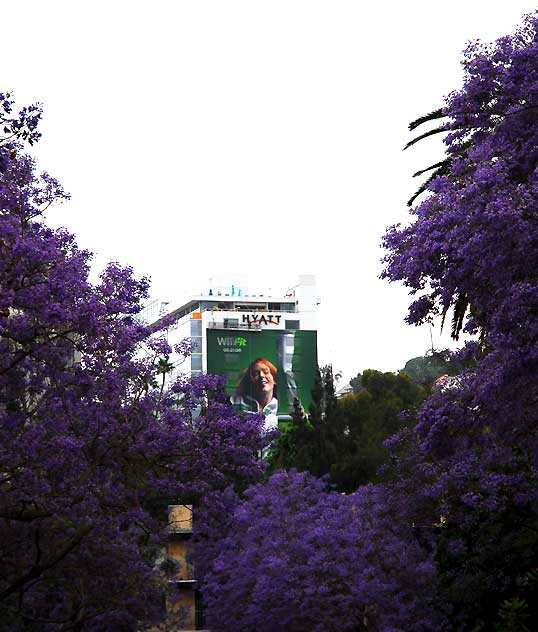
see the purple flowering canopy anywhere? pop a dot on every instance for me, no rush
(293, 556)
(451, 542)
(474, 236)
(92, 448)
(473, 248)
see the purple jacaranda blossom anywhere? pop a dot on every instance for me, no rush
(92, 449)
(293, 556)
(473, 243)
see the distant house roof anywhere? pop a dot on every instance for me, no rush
(345, 390)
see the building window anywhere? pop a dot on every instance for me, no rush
(250, 307)
(231, 322)
(292, 324)
(196, 362)
(196, 328)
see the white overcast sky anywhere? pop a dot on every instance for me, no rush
(206, 137)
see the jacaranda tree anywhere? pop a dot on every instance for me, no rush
(293, 556)
(472, 248)
(92, 449)
(463, 496)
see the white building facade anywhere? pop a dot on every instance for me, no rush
(230, 324)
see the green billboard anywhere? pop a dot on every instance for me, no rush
(265, 370)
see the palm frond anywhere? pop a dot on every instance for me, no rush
(437, 164)
(460, 303)
(437, 130)
(438, 172)
(460, 309)
(436, 114)
(443, 316)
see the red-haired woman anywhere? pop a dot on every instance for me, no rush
(257, 391)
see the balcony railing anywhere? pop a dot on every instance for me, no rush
(182, 581)
(179, 528)
(242, 326)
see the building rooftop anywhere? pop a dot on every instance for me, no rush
(231, 292)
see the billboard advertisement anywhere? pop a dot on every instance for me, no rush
(265, 369)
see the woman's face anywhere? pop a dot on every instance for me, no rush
(262, 378)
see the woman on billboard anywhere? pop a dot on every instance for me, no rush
(257, 391)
